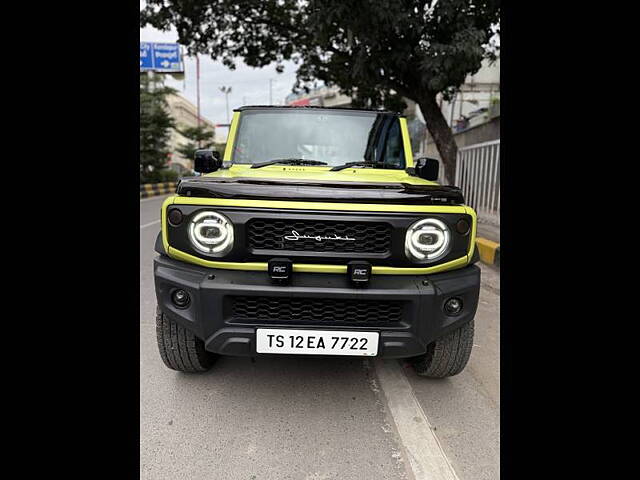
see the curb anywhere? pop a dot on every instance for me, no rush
(489, 251)
(154, 189)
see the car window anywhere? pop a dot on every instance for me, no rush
(333, 137)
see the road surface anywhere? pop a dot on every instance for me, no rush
(308, 418)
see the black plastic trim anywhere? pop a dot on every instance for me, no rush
(475, 257)
(313, 107)
(159, 245)
(208, 316)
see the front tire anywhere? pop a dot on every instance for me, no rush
(180, 349)
(448, 355)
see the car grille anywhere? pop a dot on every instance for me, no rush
(269, 234)
(315, 311)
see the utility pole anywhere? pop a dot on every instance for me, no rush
(150, 81)
(226, 91)
(198, 86)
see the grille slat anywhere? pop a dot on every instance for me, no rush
(317, 311)
(269, 234)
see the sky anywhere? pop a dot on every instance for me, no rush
(249, 86)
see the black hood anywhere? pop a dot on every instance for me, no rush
(315, 191)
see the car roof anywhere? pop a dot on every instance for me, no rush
(310, 107)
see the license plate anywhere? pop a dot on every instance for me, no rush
(316, 342)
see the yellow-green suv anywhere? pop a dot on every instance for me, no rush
(316, 234)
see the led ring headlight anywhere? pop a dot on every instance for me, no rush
(211, 233)
(427, 240)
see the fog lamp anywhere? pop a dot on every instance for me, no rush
(359, 273)
(180, 298)
(453, 306)
(280, 270)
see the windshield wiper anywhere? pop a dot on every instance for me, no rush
(358, 164)
(288, 161)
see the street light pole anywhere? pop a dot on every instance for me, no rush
(198, 86)
(226, 91)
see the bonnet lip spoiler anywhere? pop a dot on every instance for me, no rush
(321, 191)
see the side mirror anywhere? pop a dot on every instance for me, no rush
(427, 168)
(207, 161)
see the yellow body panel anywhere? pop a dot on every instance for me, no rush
(319, 174)
(474, 225)
(406, 140)
(322, 173)
(351, 207)
(312, 267)
(231, 138)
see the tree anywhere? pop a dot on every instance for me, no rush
(200, 138)
(378, 51)
(155, 127)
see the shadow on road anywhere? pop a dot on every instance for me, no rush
(277, 376)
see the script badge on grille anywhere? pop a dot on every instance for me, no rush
(318, 238)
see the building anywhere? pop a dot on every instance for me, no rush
(319, 97)
(477, 99)
(185, 114)
(474, 112)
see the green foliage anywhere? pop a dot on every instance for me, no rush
(160, 176)
(200, 137)
(375, 50)
(168, 175)
(155, 126)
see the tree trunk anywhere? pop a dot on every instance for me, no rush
(441, 133)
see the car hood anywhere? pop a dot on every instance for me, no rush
(351, 185)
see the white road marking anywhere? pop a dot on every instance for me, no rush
(149, 224)
(426, 456)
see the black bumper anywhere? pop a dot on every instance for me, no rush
(212, 315)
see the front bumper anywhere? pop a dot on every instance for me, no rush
(211, 313)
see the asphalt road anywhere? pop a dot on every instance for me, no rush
(308, 418)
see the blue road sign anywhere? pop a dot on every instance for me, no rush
(161, 57)
(146, 56)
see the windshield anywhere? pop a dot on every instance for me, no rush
(333, 137)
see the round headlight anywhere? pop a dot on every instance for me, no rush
(211, 233)
(427, 240)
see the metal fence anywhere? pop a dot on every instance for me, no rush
(478, 175)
